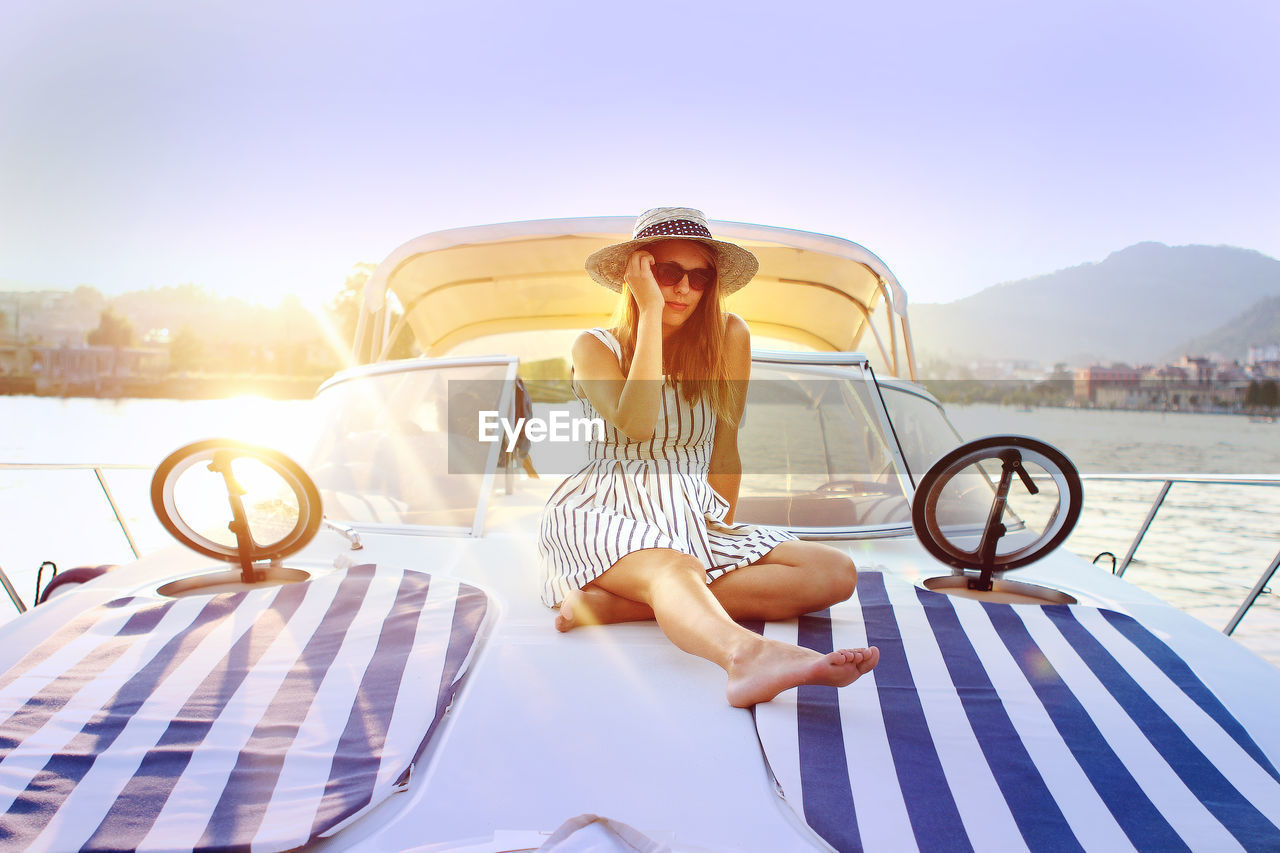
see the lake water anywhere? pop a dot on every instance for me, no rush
(1205, 551)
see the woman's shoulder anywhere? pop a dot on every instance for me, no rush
(598, 333)
(736, 333)
(590, 340)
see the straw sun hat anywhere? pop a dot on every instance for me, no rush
(734, 265)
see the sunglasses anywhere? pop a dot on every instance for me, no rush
(669, 274)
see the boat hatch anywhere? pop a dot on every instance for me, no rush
(236, 502)
(979, 549)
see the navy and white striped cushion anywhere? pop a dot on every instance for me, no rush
(1001, 727)
(264, 718)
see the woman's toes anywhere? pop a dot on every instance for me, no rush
(564, 619)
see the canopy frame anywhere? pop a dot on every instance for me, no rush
(469, 289)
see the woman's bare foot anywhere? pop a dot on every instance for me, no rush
(594, 606)
(765, 669)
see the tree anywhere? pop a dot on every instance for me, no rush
(344, 311)
(114, 330)
(1263, 395)
(1269, 395)
(186, 350)
(344, 307)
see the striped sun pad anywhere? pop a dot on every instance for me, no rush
(995, 727)
(262, 718)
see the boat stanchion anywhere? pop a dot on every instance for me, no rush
(124, 528)
(13, 593)
(1142, 531)
(1258, 589)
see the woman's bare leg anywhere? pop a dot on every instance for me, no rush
(673, 585)
(795, 577)
(591, 605)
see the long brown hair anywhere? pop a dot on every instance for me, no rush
(694, 355)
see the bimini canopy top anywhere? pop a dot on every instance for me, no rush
(813, 291)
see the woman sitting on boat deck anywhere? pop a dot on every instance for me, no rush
(645, 530)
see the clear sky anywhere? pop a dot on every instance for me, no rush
(261, 148)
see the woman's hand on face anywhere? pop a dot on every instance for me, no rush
(639, 277)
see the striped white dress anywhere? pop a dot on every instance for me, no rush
(634, 495)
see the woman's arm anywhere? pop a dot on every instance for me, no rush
(725, 475)
(632, 402)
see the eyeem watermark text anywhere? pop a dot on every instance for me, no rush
(559, 427)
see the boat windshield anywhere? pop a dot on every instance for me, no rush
(925, 436)
(921, 427)
(385, 453)
(815, 453)
(397, 446)
(818, 454)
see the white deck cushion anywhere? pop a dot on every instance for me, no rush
(1003, 727)
(264, 718)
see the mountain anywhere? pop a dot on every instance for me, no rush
(1259, 324)
(1138, 305)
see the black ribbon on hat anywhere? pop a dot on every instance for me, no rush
(674, 228)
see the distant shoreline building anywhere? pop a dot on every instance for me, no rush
(1193, 384)
(1263, 354)
(1107, 387)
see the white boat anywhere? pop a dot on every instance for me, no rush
(397, 683)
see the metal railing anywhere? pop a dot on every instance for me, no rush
(347, 532)
(1167, 483)
(97, 470)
